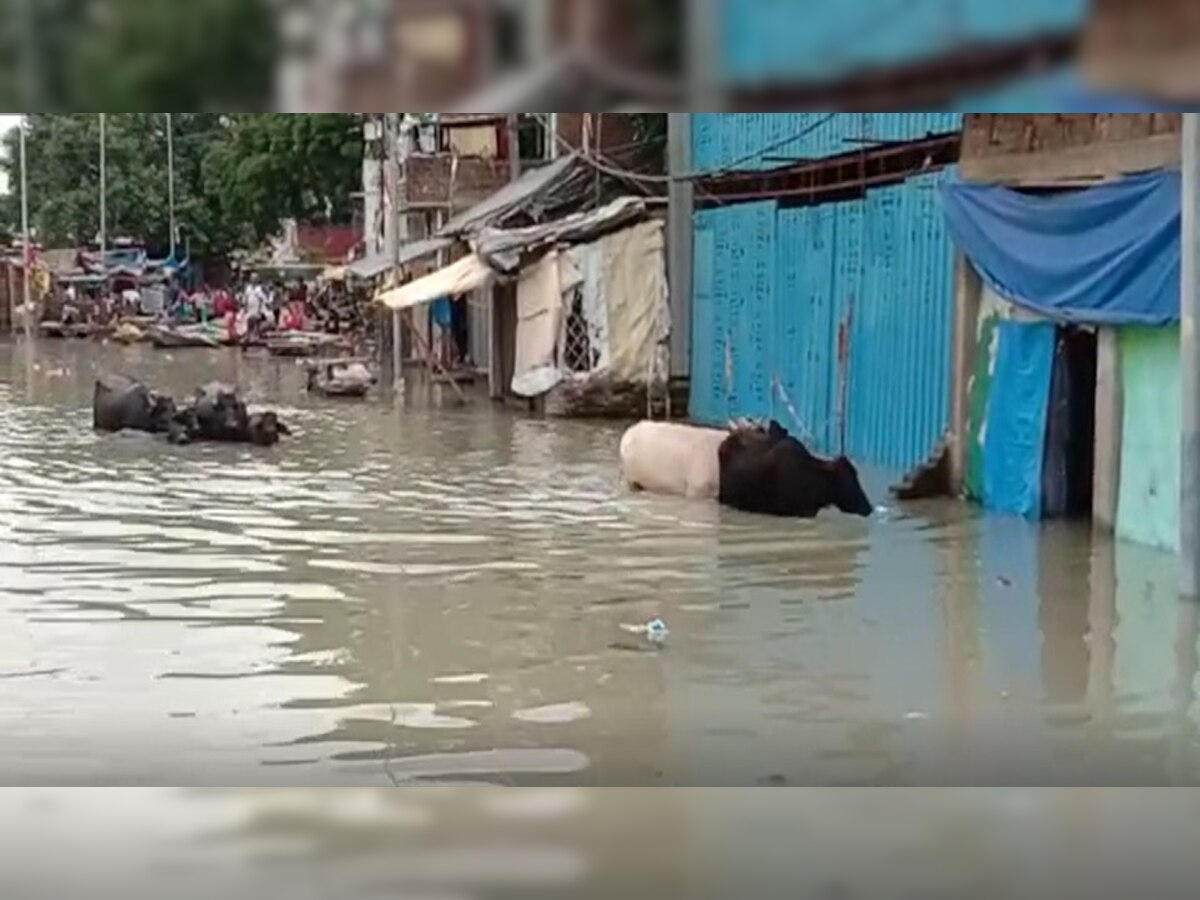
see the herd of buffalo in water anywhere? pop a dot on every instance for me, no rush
(754, 467)
(214, 413)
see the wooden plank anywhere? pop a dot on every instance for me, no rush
(1075, 164)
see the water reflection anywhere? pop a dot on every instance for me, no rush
(412, 594)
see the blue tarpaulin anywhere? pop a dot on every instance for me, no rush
(1014, 447)
(1103, 255)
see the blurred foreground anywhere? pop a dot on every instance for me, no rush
(468, 843)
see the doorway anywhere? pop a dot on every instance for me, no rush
(1068, 473)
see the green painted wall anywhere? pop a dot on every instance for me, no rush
(977, 402)
(1148, 508)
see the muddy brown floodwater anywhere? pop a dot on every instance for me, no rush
(418, 594)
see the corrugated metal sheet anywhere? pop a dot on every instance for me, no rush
(764, 40)
(739, 139)
(774, 285)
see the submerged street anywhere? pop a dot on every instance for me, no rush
(419, 594)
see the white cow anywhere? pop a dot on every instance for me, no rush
(674, 459)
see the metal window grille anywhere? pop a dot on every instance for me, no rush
(578, 355)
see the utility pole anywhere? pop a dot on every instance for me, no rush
(26, 246)
(171, 179)
(1189, 356)
(392, 236)
(680, 243)
(103, 201)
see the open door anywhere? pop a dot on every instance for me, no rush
(1068, 473)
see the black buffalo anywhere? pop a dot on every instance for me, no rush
(769, 472)
(218, 414)
(120, 404)
(215, 413)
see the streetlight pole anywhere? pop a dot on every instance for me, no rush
(103, 200)
(393, 236)
(27, 249)
(171, 180)
(1189, 357)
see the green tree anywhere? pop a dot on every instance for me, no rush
(274, 166)
(64, 179)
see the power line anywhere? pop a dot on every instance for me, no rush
(598, 161)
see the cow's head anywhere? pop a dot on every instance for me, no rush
(848, 493)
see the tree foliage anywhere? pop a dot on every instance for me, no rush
(269, 167)
(236, 177)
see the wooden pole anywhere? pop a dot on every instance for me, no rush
(428, 352)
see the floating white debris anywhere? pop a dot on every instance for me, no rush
(656, 632)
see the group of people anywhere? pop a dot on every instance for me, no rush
(251, 309)
(260, 307)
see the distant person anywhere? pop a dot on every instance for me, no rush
(255, 304)
(223, 304)
(294, 317)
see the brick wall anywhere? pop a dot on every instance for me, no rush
(428, 181)
(1036, 148)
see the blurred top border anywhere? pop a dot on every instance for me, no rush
(632, 55)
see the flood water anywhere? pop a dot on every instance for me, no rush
(418, 594)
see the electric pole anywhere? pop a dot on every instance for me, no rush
(27, 247)
(171, 179)
(391, 232)
(103, 201)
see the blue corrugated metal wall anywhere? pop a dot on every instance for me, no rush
(761, 40)
(725, 139)
(772, 287)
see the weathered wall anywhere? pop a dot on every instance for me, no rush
(435, 180)
(1029, 148)
(1148, 507)
(735, 140)
(610, 131)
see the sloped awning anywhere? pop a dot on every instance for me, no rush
(513, 196)
(369, 266)
(460, 277)
(507, 251)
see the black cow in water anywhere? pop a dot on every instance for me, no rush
(122, 404)
(767, 471)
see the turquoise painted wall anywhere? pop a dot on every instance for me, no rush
(772, 286)
(1148, 507)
